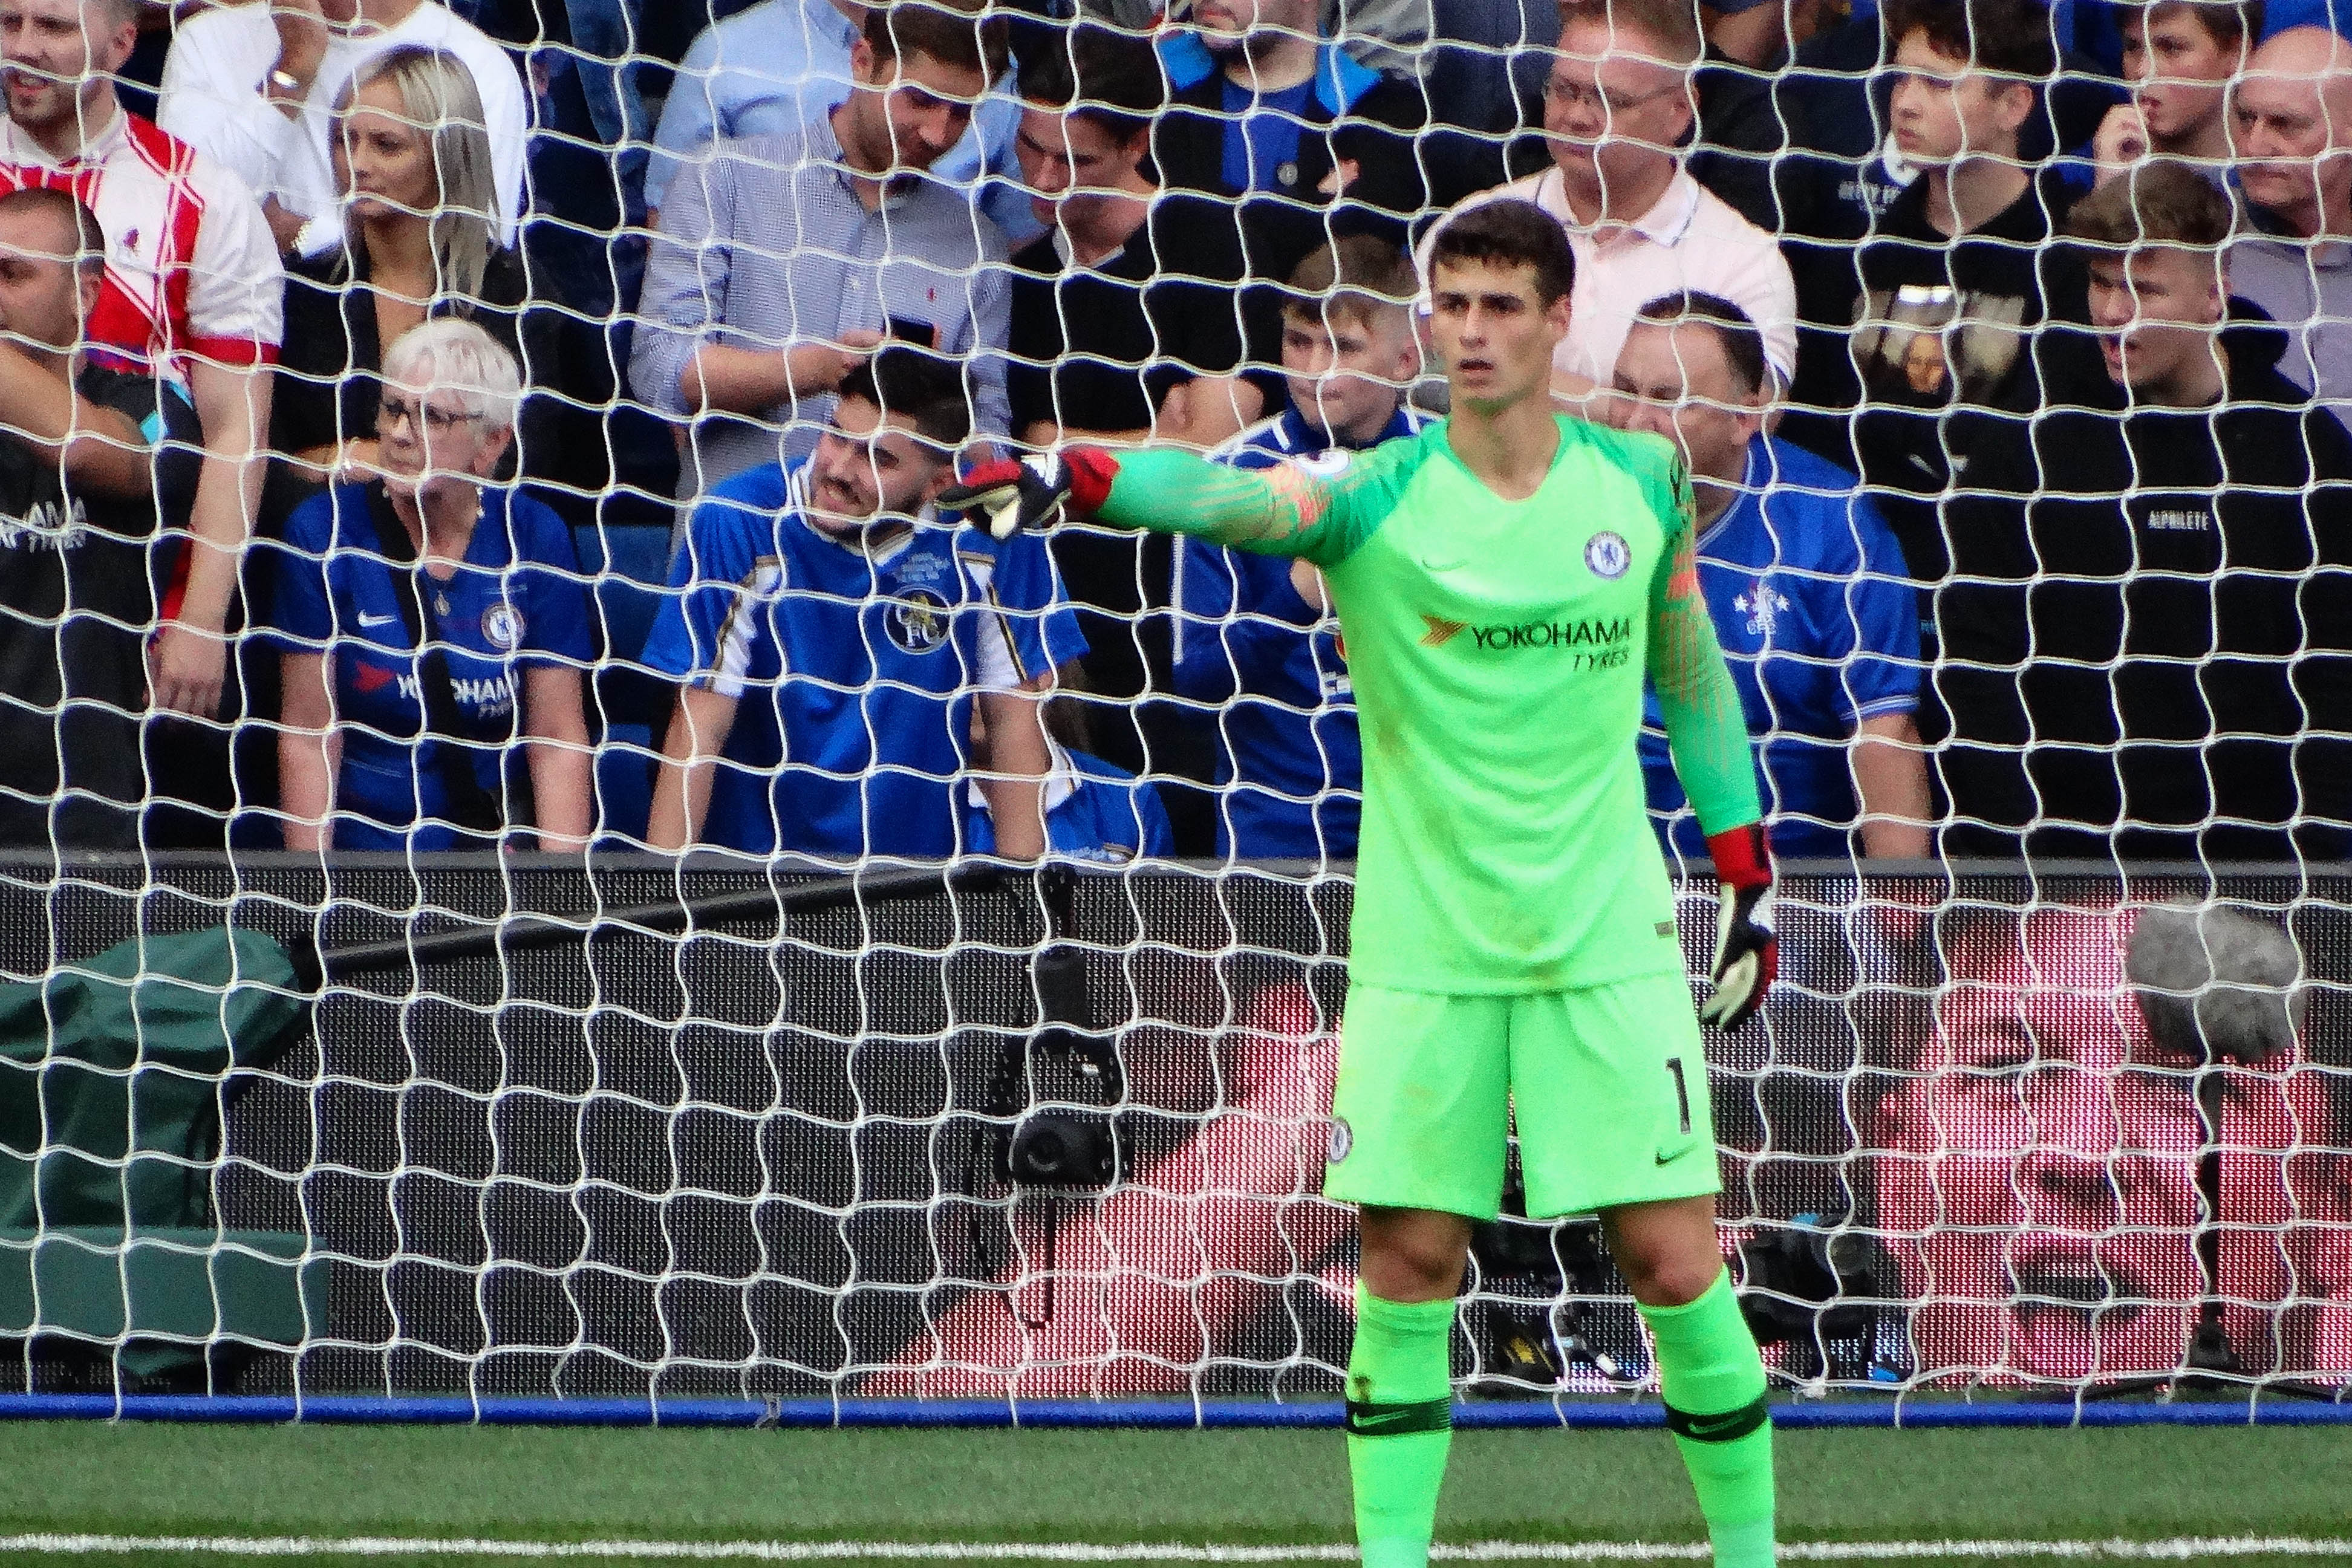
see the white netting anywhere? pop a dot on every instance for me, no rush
(841, 1155)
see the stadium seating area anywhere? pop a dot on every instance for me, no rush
(2008, 347)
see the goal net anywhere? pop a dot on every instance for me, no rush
(505, 1126)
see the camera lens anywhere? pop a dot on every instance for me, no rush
(1064, 1148)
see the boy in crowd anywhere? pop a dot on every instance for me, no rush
(1255, 632)
(1923, 330)
(1136, 319)
(2180, 57)
(831, 639)
(2148, 636)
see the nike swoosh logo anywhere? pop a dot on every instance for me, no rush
(1370, 1423)
(377, 619)
(1702, 1426)
(1664, 1158)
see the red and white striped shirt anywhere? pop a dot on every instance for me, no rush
(191, 267)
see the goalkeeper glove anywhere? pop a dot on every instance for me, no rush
(1018, 492)
(1746, 954)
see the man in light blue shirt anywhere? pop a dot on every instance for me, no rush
(785, 260)
(771, 68)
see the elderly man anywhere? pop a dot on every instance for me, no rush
(2292, 124)
(1617, 104)
(1807, 590)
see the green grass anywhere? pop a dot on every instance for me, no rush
(1200, 1488)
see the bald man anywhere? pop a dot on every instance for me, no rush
(2291, 119)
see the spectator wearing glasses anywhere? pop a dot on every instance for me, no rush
(1617, 105)
(432, 624)
(1808, 594)
(2293, 134)
(2147, 635)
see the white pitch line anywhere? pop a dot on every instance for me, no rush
(2174, 1550)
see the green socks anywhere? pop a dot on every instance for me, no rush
(1712, 1380)
(1399, 1425)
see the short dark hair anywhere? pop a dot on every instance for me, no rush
(1743, 345)
(1671, 25)
(1095, 72)
(2158, 203)
(1355, 275)
(2229, 23)
(912, 383)
(71, 212)
(2010, 36)
(957, 33)
(1509, 233)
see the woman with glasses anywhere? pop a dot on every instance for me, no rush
(414, 163)
(433, 629)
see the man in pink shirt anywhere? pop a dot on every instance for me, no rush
(193, 289)
(1616, 106)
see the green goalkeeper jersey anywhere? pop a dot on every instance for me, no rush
(1498, 649)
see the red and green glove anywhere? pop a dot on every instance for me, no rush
(1746, 954)
(1009, 493)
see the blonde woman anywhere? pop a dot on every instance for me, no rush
(432, 624)
(414, 163)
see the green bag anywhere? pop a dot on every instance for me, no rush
(110, 1076)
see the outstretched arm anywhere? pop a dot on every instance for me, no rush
(1310, 509)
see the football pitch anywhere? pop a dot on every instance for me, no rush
(92, 1493)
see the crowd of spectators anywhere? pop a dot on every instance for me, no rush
(451, 422)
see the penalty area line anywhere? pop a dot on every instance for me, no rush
(2175, 1548)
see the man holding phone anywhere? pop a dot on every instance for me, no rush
(784, 261)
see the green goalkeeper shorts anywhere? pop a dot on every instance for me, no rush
(1608, 1085)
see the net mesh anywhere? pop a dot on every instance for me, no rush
(877, 1146)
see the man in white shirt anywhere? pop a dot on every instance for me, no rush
(255, 86)
(1617, 104)
(193, 289)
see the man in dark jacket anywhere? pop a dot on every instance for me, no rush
(2148, 631)
(1914, 339)
(97, 461)
(1313, 141)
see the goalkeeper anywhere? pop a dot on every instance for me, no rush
(1504, 580)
